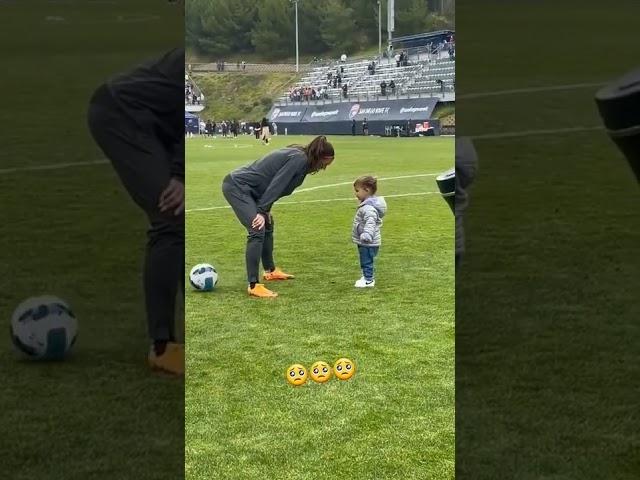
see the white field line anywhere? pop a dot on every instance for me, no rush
(320, 187)
(529, 133)
(222, 147)
(326, 200)
(57, 166)
(516, 91)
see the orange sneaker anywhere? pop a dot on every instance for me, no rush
(171, 361)
(261, 291)
(277, 274)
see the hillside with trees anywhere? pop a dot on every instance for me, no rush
(241, 97)
(266, 28)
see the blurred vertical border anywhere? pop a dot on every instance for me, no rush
(547, 337)
(70, 229)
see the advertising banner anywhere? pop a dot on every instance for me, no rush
(419, 109)
(334, 112)
(287, 114)
(409, 109)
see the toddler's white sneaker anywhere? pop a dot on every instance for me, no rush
(362, 283)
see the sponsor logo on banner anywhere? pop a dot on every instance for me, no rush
(414, 109)
(279, 113)
(325, 114)
(354, 110)
(374, 111)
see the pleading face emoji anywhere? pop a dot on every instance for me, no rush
(296, 375)
(344, 368)
(320, 372)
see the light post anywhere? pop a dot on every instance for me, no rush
(379, 28)
(295, 2)
(390, 19)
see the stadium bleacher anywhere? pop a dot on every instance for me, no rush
(193, 96)
(423, 74)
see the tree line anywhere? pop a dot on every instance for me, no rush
(267, 27)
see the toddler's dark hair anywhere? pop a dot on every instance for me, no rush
(368, 182)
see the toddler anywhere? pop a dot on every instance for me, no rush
(366, 227)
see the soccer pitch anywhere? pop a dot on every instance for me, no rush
(395, 418)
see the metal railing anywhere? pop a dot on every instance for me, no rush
(246, 68)
(447, 96)
(195, 90)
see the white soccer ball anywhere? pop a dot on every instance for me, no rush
(44, 328)
(203, 277)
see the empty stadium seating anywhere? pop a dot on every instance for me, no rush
(419, 77)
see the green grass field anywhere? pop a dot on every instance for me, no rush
(395, 418)
(547, 336)
(75, 233)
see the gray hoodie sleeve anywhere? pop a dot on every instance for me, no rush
(370, 221)
(290, 176)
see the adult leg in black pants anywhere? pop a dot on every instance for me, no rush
(267, 247)
(142, 160)
(244, 206)
(259, 241)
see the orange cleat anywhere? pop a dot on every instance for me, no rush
(277, 274)
(171, 361)
(261, 291)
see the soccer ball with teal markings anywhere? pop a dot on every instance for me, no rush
(203, 277)
(44, 328)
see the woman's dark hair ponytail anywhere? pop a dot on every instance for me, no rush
(318, 149)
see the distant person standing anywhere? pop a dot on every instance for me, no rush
(275, 129)
(266, 135)
(365, 127)
(353, 128)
